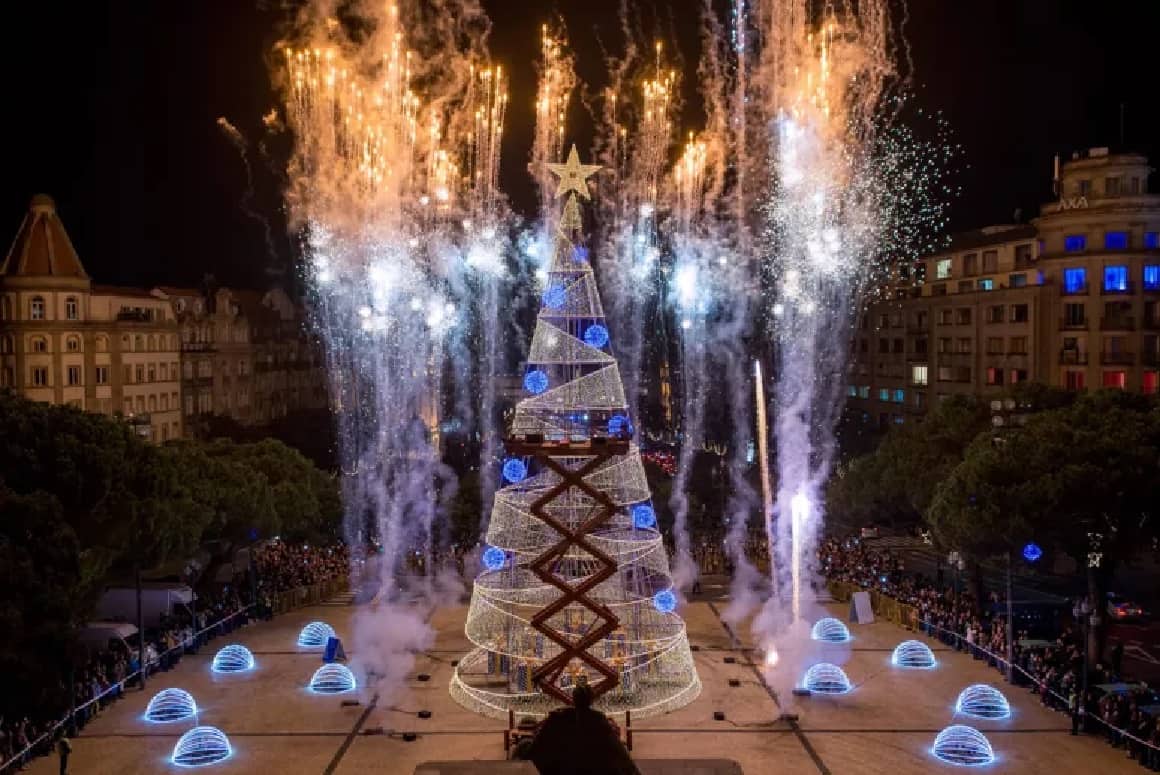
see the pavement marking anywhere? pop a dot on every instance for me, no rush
(342, 749)
(793, 725)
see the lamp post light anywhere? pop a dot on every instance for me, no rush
(1082, 612)
(1002, 417)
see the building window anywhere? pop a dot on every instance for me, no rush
(899, 419)
(1022, 255)
(994, 345)
(152, 403)
(883, 345)
(1075, 280)
(102, 375)
(74, 375)
(140, 404)
(1152, 277)
(883, 394)
(36, 308)
(39, 344)
(1075, 243)
(1152, 240)
(995, 314)
(944, 345)
(7, 345)
(898, 347)
(101, 343)
(1084, 187)
(1073, 380)
(938, 290)
(852, 391)
(1111, 186)
(152, 372)
(1116, 379)
(990, 261)
(1116, 240)
(963, 316)
(971, 264)
(6, 376)
(942, 269)
(964, 346)
(945, 317)
(918, 374)
(1115, 278)
(864, 391)
(994, 376)
(966, 286)
(189, 404)
(1018, 346)
(1017, 280)
(71, 308)
(73, 344)
(1018, 375)
(40, 376)
(140, 372)
(899, 396)
(1073, 315)
(1020, 313)
(945, 374)
(986, 284)
(1151, 383)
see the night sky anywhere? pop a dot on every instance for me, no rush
(112, 111)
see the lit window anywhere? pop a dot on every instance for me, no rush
(1075, 280)
(987, 285)
(102, 375)
(918, 375)
(1115, 278)
(40, 376)
(70, 308)
(883, 394)
(1116, 379)
(74, 375)
(994, 376)
(942, 270)
(73, 344)
(898, 419)
(1074, 243)
(1073, 380)
(899, 396)
(1151, 383)
(1152, 277)
(36, 308)
(1018, 375)
(864, 391)
(1116, 240)
(852, 391)
(1152, 240)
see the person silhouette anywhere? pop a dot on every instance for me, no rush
(580, 741)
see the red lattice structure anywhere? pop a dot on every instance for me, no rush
(550, 455)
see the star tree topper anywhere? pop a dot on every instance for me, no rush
(573, 175)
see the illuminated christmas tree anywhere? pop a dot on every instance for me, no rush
(576, 583)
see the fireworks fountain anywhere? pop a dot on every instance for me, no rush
(396, 117)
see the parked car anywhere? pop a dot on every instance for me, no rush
(1120, 609)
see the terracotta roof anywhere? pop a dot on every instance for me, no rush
(42, 247)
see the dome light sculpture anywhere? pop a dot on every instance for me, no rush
(170, 705)
(830, 630)
(982, 701)
(315, 634)
(913, 653)
(585, 592)
(825, 678)
(963, 745)
(233, 659)
(333, 678)
(494, 558)
(201, 746)
(515, 470)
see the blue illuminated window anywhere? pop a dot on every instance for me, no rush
(899, 396)
(1116, 240)
(987, 285)
(1115, 278)
(1075, 280)
(852, 391)
(1152, 277)
(1152, 239)
(883, 394)
(1074, 243)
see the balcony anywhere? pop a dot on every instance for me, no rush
(1117, 358)
(1075, 290)
(921, 357)
(1073, 358)
(1150, 358)
(1127, 290)
(198, 347)
(1073, 323)
(1118, 323)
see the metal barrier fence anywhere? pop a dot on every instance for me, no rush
(907, 615)
(281, 603)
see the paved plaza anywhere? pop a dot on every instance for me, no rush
(886, 725)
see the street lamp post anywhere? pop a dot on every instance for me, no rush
(1002, 414)
(1081, 611)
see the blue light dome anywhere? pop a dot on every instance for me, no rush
(515, 470)
(333, 678)
(555, 296)
(830, 630)
(315, 634)
(201, 746)
(643, 516)
(596, 336)
(535, 382)
(1032, 552)
(912, 653)
(170, 705)
(960, 744)
(982, 701)
(619, 425)
(494, 558)
(825, 678)
(233, 659)
(665, 601)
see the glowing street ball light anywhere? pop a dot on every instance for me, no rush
(665, 601)
(233, 659)
(315, 634)
(830, 630)
(963, 745)
(1032, 552)
(514, 470)
(912, 653)
(555, 296)
(618, 425)
(643, 516)
(535, 382)
(982, 701)
(596, 336)
(494, 558)
(825, 678)
(170, 705)
(201, 746)
(333, 678)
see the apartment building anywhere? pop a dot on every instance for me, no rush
(1071, 299)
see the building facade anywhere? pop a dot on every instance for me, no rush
(64, 340)
(1070, 300)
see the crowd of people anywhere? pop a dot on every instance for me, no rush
(1049, 667)
(102, 677)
